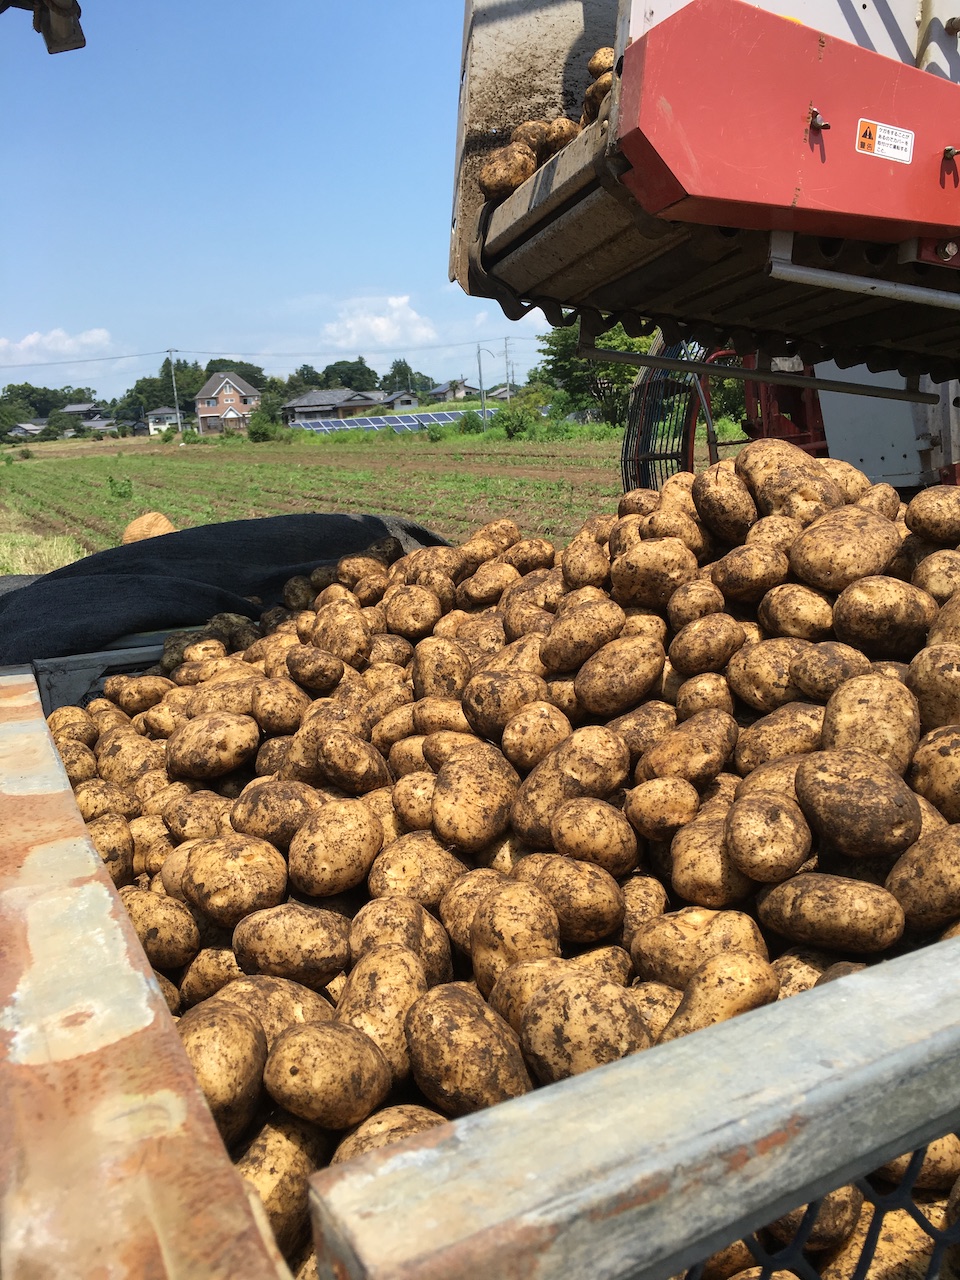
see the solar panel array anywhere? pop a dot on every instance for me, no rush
(396, 422)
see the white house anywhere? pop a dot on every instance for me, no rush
(159, 419)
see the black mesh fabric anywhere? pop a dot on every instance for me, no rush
(181, 579)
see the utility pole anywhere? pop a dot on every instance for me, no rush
(483, 394)
(173, 376)
(506, 365)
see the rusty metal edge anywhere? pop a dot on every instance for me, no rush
(110, 1164)
(637, 1170)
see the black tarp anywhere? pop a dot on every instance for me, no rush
(181, 579)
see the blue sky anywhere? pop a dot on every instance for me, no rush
(271, 180)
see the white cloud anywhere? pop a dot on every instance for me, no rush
(480, 319)
(368, 324)
(56, 344)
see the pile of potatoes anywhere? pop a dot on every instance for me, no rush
(535, 141)
(474, 819)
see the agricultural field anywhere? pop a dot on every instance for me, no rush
(84, 493)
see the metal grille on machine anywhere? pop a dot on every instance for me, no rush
(661, 419)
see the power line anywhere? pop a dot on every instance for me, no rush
(49, 364)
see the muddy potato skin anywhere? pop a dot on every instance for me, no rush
(334, 847)
(514, 922)
(833, 912)
(925, 881)
(799, 969)
(274, 810)
(385, 1127)
(351, 764)
(648, 572)
(210, 970)
(327, 1072)
(166, 928)
(533, 733)
(404, 921)
(110, 836)
(210, 746)
(793, 729)
(619, 675)
(857, 804)
(767, 837)
(227, 1050)
(724, 503)
(580, 631)
(724, 986)
(594, 831)
(842, 546)
(592, 762)
(517, 985)
(934, 514)
(587, 899)
(747, 573)
(657, 1004)
(759, 674)
(884, 617)
(706, 644)
(508, 168)
(644, 726)
(874, 713)
(463, 1056)
(577, 1021)
(903, 1248)
(820, 670)
(460, 902)
(278, 1163)
(644, 897)
(231, 876)
(669, 948)
(306, 944)
(276, 1003)
(658, 808)
(379, 990)
(794, 610)
(940, 1168)
(695, 751)
(934, 680)
(472, 799)
(935, 770)
(702, 870)
(835, 1221)
(416, 866)
(938, 574)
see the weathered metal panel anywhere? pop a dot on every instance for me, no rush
(110, 1164)
(646, 1166)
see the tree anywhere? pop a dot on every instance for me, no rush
(355, 374)
(57, 423)
(251, 373)
(42, 401)
(603, 389)
(14, 411)
(399, 378)
(308, 376)
(271, 402)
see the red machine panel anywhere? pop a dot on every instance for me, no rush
(720, 109)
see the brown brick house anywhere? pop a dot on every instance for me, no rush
(225, 400)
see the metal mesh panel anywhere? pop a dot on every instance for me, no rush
(865, 1251)
(661, 415)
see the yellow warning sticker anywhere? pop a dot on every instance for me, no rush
(884, 140)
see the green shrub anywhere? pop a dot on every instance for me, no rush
(191, 437)
(516, 420)
(168, 434)
(121, 488)
(25, 453)
(470, 423)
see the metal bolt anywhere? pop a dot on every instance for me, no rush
(947, 249)
(816, 120)
(952, 26)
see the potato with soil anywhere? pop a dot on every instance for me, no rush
(696, 751)
(207, 973)
(619, 675)
(404, 921)
(701, 869)
(746, 574)
(463, 1056)
(587, 899)
(385, 1127)
(276, 1003)
(724, 986)
(227, 1050)
(820, 669)
(935, 770)
(884, 617)
(379, 990)
(512, 923)
(305, 944)
(934, 514)
(472, 798)
(577, 1021)
(415, 866)
(277, 1165)
(706, 644)
(274, 810)
(934, 680)
(857, 804)
(835, 1221)
(327, 1072)
(724, 503)
(594, 831)
(459, 904)
(670, 948)
(334, 848)
(648, 572)
(491, 698)
(210, 746)
(533, 733)
(766, 837)
(644, 726)
(875, 714)
(938, 574)
(792, 609)
(110, 836)
(793, 729)
(231, 876)
(657, 809)
(166, 928)
(506, 169)
(759, 674)
(785, 481)
(644, 898)
(925, 880)
(347, 762)
(593, 761)
(842, 547)
(833, 912)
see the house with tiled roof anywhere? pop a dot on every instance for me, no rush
(333, 402)
(455, 389)
(225, 401)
